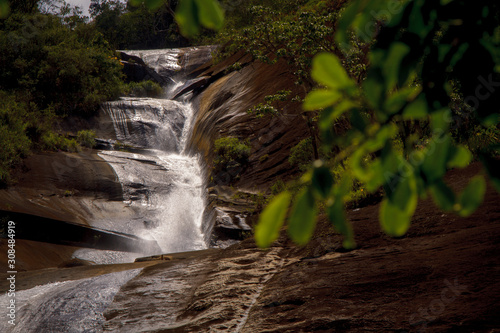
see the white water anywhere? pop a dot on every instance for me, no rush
(69, 307)
(162, 184)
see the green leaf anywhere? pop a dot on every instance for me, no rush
(416, 109)
(460, 157)
(4, 9)
(347, 19)
(187, 17)
(373, 89)
(405, 194)
(392, 63)
(303, 218)
(336, 215)
(396, 101)
(210, 13)
(322, 181)
(154, 4)
(472, 197)
(394, 221)
(434, 165)
(327, 70)
(271, 220)
(443, 196)
(492, 166)
(329, 115)
(319, 99)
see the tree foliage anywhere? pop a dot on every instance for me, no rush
(421, 59)
(51, 66)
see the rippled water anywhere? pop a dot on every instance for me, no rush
(69, 307)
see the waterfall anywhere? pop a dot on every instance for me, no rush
(164, 200)
(162, 183)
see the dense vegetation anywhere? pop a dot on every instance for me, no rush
(51, 66)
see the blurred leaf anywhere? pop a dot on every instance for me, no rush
(154, 4)
(318, 99)
(416, 109)
(405, 194)
(329, 115)
(392, 63)
(394, 221)
(472, 197)
(434, 165)
(443, 196)
(187, 17)
(336, 215)
(303, 218)
(322, 181)
(492, 166)
(374, 91)
(4, 9)
(271, 220)
(346, 20)
(460, 157)
(358, 121)
(440, 120)
(396, 101)
(327, 70)
(210, 13)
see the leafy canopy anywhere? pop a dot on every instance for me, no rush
(422, 49)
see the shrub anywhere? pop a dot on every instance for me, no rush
(14, 143)
(86, 138)
(302, 154)
(278, 187)
(230, 152)
(53, 141)
(142, 89)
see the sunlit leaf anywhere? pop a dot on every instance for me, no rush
(210, 13)
(394, 221)
(303, 218)
(318, 99)
(271, 220)
(472, 196)
(327, 70)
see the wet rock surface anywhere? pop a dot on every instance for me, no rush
(442, 276)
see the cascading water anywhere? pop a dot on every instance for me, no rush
(163, 189)
(161, 182)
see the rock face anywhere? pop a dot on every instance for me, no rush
(222, 111)
(441, 277)
(136, 70)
